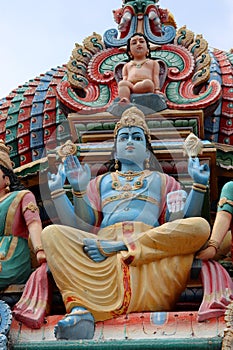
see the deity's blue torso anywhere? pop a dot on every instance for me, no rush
(131, 198)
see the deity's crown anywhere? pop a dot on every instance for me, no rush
(132, 117)
(4, 156)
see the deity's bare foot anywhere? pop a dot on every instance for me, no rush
(99, 250)
(79, 324)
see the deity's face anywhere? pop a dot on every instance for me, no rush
(131, 146)
(138, 46)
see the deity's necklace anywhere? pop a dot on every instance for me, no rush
(129, 176)
(139, 65)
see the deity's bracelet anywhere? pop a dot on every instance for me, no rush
(203, 187)
(102, 251)
(213, 243)
(38, 249)
(78, 194)
(199, 187)
(57, 193)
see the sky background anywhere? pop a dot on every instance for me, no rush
(39, 35)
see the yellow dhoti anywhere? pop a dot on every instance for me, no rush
(150, 276)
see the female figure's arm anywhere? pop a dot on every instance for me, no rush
(35, 229)
(222, 222)
(30, 212)
(221, 226)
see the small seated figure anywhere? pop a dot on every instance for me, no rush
(222, 224)
(139, 80)
(141, 73)
(117, 251)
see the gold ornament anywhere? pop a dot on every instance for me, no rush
(139, 65)
(129, 176)
(132, 117)
(7, 188)
(223, 201)
(129, 195)
(31, 206)
(68, 149)
(116, 164)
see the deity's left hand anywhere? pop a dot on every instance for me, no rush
(200, 173)
(77, 175)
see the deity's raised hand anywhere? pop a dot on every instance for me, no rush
(77, 175)
(200, 173)
(56, 181)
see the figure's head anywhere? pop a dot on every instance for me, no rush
(132, 117)
(131, 147)
(132, 139)
(134, 40)
(5, 156)
(7, 175)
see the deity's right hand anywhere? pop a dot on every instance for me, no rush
(56, 181)
(77, 175)
(176, 201)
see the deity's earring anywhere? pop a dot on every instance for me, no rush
(116, 164)
(147, 163)
(7, 188)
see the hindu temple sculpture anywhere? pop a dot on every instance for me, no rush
(99, 274)
(128, 107)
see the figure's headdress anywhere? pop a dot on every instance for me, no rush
(132, 117)
(4, 156)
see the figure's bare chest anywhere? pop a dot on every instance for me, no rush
(136, 198)
(144, 71)
(145, 187)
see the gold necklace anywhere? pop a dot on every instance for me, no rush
(129, 175)
(117, 186)
(139, 65)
